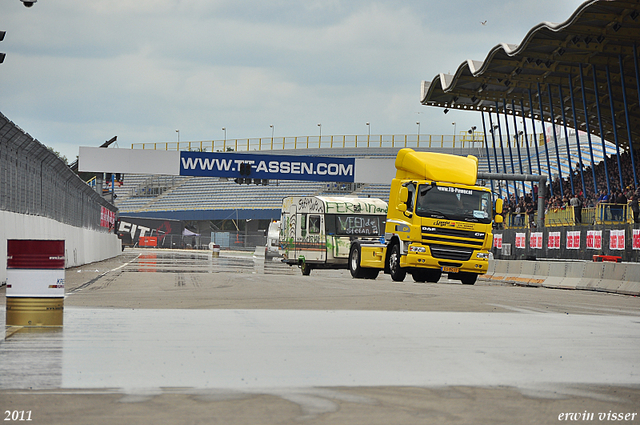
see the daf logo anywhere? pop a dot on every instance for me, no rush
(428, 229)
(479, 234)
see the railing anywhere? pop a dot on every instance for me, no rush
(330, 142)
(555, 217)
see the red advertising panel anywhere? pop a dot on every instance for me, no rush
(573, 240)
(521, 240)
(594, 239)
(535, 240)
(554, 240)
(616, 239)
(107, 218)
(497, 240)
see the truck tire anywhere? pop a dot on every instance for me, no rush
(371, 273)
(468, 278)
(419, 276)
(426, 275)
(356, 271)
(397, 273)
(434, 276)
(305, 268)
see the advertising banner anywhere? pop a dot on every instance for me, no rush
(107, 218)
(636, 238)
(553, 240)
(594, 239)
(521, 240)
(497, 240)
(131, 229)
(573, 239)
(535, 240)
(272, 167)
(616, 239)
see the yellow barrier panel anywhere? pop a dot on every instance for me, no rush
(611, 213)
(560, 217)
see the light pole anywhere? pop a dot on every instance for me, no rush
(454, 131)
(178, 131)
(272, 129)
(320, 126)
(225, 134)
(418, 124)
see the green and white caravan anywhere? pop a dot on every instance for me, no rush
(316, 232)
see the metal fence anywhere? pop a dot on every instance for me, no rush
(238, 241)
(34, 181)
(463, 140)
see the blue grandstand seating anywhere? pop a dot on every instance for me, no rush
(156, 194)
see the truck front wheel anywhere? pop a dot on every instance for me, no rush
(468, 278)
(397, 273)
(426, 275)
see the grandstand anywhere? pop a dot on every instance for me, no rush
(215, 199)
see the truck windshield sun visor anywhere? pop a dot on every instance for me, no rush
(454, 203)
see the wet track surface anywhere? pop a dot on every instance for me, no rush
(186, 323)
(194, 262)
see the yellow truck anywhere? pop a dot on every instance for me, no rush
(438, 221)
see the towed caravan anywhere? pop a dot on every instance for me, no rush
(317, 231)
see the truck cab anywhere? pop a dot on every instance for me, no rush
(438, 222)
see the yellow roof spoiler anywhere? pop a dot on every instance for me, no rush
(439, 167)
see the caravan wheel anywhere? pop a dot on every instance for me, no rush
(305, 268)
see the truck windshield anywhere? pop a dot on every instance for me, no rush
(453, 203)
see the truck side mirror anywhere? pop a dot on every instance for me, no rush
(498, 219)
(403, 195)
(402, 207)
(499, 206)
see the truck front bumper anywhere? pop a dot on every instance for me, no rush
(425, 260)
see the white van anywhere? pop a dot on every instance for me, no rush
(317, 231)
(273, 239)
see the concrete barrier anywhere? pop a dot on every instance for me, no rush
(620, 278)
(82, 246)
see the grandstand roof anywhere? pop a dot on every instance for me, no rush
(599, 36)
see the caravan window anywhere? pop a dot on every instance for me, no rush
(314, 224)
(355, 224)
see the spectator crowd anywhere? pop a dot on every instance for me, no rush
(524, 206)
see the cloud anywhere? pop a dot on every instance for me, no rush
(78, 73)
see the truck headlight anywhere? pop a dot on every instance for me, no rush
(482, 255)
(417, 248)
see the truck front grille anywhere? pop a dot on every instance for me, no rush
(447, 252)
(438, 235)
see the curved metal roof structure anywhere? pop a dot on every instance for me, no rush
(553, 73)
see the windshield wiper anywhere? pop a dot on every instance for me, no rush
(435, 213)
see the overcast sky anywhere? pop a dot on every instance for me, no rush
(80, 72)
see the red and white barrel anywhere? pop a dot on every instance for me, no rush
(35, 282)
